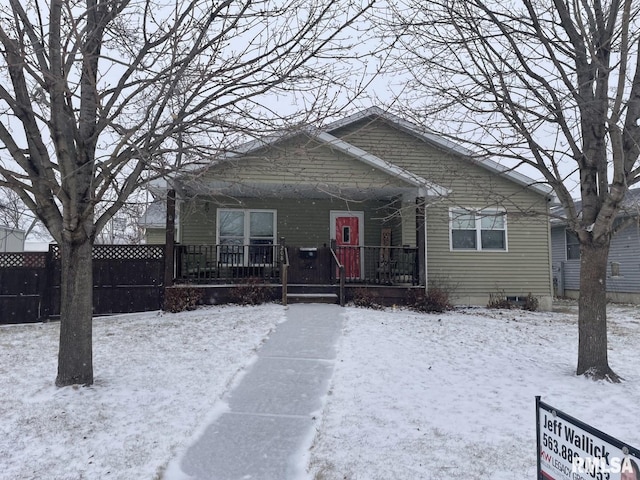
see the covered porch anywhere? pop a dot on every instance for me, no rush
(362, 224)
(336, 245)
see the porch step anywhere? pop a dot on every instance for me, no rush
(312, 298)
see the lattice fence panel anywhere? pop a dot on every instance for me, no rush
(23, 260)
(128, 252)
(121, 252)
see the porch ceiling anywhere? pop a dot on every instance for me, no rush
(302, 190)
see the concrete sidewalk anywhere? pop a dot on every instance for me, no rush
(267, 430)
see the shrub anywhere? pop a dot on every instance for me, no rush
(179, 299)
(364, 298)
(434, 300)
(531, 303)
(253, 292)
(500, 301)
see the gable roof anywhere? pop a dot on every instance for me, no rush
(442, 143)
(324, 136)
(630, 207)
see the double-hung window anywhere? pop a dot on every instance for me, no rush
(246, 237)
(573, 246)
(478, 229)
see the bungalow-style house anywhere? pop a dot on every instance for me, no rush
(623, 269)
(372, 198)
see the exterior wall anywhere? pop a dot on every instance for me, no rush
(302, 222)
(299, 162)
(408, 223)
(154, 236)
(11, 240)
(558, 259)
(624, 250)
(524, 268)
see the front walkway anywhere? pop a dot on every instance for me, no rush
(268, 427)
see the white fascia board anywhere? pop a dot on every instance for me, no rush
(424, 185)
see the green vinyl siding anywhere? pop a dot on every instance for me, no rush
(289, 163)
(155, 236)
(302, 222)
(524, 268)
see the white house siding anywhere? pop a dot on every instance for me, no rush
(11, 240)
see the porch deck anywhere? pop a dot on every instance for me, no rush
(299, 270)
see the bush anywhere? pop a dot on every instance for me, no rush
(364, 298)
(179, 299)
(531, 303)
(253, 292)
(434, 300)
(500, 301)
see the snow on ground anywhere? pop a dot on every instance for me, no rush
(157, 377)
(452, 396)
(413, 396)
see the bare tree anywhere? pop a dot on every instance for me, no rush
(15, 214)
(553, 86)
(96, 93)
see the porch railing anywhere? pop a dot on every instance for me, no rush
(379, 265)
(368, 265)
(227, 263)
(284, 271)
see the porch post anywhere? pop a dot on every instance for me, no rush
(421, 241)
(170, 228)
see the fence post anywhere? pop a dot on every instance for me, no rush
(47, 287)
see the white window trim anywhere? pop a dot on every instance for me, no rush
(478, 213)
(247, 236)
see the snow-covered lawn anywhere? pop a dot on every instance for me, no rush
(156, 377)
(413, 396)
(453, 396)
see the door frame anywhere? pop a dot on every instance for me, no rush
(333, 214)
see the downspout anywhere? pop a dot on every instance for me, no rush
(426, 258)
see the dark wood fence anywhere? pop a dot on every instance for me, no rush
(23, 286)
(126, 278)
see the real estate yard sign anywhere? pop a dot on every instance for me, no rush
(569, 449)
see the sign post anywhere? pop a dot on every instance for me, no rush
(569, 449)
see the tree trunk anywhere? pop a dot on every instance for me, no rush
(75, 355)
(592, 314)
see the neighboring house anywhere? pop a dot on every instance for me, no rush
(153, 221)
(11, 239)
(394, 204)
(623, 269)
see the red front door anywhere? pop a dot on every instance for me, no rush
(348, 245)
